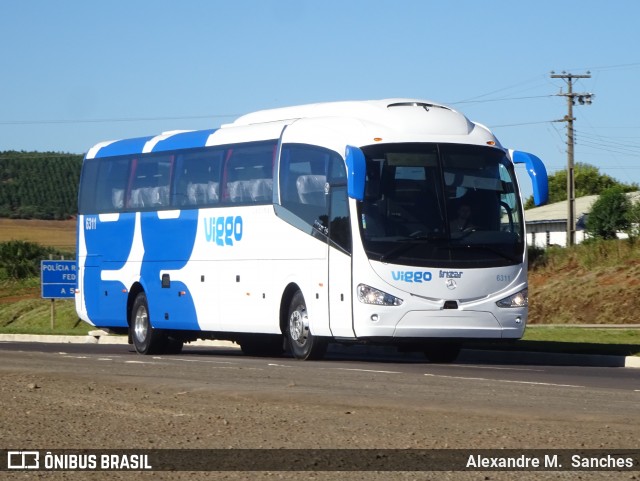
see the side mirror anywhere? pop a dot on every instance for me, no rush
(537, 172)
(356, 172)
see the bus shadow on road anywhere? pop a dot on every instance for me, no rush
(520, 353)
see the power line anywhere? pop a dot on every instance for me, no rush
(605, 138)
(611, 149)
(613, 145)
(611, 67)
(523, 123)
(121, 119)
(503, 99)
(497, 90)
(197, 117)
(608, 144)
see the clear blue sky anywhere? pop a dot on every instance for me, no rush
(78, 72)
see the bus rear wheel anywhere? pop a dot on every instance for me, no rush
(302, 344)
(146, 339)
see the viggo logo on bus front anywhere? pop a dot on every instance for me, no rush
(411, 276)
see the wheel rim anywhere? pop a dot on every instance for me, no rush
(141, 324)
(299, 326)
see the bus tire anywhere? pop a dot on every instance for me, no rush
(173, 345)
(302, 344)
(146, 339)
(442, 353)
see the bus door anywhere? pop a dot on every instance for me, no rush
(339, 262)
(313, 186)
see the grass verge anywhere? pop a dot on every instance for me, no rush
(33, 316)
(574, 340)
(577, 334)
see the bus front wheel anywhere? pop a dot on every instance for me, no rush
(146, 339)
(302, 344)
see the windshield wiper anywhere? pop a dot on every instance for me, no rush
(485, 247)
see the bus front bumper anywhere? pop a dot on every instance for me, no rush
(458, 324)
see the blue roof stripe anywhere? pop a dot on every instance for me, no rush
(123, 147)
(184, 140)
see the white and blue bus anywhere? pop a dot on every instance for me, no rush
(393, 221)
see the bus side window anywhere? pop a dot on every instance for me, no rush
(310, 189)
(248, 174)
(104, 185)
(198, 179)
(150, 183)
(91, 198)
(304, 172)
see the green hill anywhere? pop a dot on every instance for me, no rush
(597, 282)
(39, 185)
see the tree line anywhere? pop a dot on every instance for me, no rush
(39, 185)
(588, 180)
(614, 212)
(611, 213)
(21, 259)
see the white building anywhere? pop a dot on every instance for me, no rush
(547, 225)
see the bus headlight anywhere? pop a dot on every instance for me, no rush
(370, 295)
(519, 299)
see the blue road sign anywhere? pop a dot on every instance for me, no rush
(58, 279)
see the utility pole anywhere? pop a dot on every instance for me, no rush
(583, 98)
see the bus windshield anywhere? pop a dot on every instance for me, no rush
(441, 205)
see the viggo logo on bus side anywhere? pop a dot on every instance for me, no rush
(223, 230)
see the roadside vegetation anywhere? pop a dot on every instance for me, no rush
(585, 336)
(21, 259)
(33, 316)
(22, 310)
(597, 282)
(588, 181)
(39, 185)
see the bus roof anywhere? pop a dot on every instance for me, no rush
(396, 119)
(369, 110)
(176, 140)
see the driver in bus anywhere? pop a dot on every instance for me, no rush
(462, 223)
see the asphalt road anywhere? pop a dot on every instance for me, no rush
(61, 396)
(525, 369)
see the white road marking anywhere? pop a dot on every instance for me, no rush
(193, 360)
(504, 380)
(105, 359)
(497, 368)
(365, 370)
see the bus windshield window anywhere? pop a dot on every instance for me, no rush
(441, 205)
